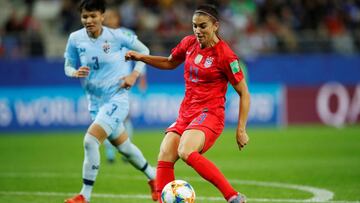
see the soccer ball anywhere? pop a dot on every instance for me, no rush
(178, 191)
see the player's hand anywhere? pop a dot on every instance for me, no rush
(241, 138)
(129, 80)
(132, 55)
(82, 72)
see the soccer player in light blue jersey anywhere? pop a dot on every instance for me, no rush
(113, 20)
(97, 51)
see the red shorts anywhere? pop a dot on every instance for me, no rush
(208, 123)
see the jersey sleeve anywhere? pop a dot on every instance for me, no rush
(71, 54)
(127, 31)
(179, 52)
(141, 48)
(233, 69)
(131, 42)
(126, 39)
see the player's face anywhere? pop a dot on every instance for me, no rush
(92, 21)
(204, 29)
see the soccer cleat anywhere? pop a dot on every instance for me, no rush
(237, 199)
(154, 196)
(76, 199)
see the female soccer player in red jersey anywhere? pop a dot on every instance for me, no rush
(209, 65)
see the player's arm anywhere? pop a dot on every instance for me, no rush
(71, 71)
(139, 68)
(244, 107)
(160, 62)
(71, 56)
(138, 46)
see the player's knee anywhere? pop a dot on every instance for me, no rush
(162, 153)
(184, 152)
(117, 132)
(167, 154)
(90, 142)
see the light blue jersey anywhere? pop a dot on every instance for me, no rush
(130, 64)
(105, 56)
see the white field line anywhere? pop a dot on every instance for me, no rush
(146, 196)
(319, 195)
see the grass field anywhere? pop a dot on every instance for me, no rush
(297, 164)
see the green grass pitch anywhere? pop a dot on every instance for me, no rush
(293, 164)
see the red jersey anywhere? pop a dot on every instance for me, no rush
(206, 72)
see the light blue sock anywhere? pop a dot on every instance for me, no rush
(136, 158)
(91, 164)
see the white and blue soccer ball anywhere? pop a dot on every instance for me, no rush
(178, 191)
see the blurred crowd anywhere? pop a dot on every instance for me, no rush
(252, 27)
(20, 36)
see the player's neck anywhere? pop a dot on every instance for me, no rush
(211, 43)
(96, 34)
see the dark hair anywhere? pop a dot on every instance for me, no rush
(92, 5)
(209, 10)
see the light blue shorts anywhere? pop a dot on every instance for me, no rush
(110, 115)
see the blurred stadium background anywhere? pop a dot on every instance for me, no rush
(303, 59)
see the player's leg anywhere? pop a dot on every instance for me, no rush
(132, 153)
(106, 121)
(92, 140)
(130, 132)
(134, 156)
(193, 142)
(129, 127)
(109, 148)
(109, 151)
(167, 157)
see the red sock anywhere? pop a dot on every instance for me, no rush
(164, 175)
(211, 173)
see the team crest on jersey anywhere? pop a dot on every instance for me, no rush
(106, 47)
(208, 61)
(198, 59)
